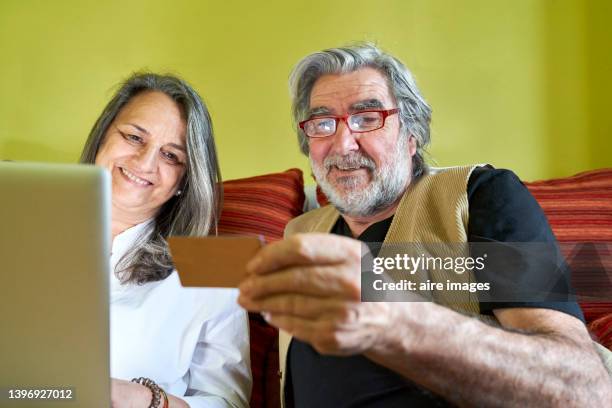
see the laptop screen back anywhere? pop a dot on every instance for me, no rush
(54, 253)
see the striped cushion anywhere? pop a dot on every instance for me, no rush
(264, 363)
(602, 328)
(262, 205)
(579, 209)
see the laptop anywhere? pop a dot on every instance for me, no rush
(54, 255)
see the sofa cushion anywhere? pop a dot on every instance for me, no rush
(264, 363)
(579, 209)
(601, 329)
(262, 205)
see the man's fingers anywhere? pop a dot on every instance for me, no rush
(318, 281)
(319, 334)
(295, 326)
(304, 249)
(295, 305)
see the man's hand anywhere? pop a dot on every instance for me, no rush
(309, 286)
(126, 394)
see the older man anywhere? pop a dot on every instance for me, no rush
(363, 123)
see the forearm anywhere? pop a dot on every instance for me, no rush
(473, 364)
(176, 402)
(173, 401)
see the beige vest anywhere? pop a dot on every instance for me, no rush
(433, 210)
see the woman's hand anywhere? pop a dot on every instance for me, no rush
(127, 394)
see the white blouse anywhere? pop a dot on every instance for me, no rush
(194, 343)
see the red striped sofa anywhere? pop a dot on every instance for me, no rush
(579, 209)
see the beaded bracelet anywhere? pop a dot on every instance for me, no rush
(155, 391)
(166, 402)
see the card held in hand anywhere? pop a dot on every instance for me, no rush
(213, 262)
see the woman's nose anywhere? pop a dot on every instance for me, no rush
(147, 159)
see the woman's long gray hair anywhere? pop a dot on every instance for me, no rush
(195, 212)
(414, 112)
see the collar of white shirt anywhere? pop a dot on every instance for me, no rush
(122, 243)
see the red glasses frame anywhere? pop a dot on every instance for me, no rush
(344, 118)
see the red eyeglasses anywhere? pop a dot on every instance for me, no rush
(359, 122)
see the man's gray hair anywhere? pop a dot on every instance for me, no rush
(195, 212)
(414, 112)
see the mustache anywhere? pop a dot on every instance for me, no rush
(349, 161)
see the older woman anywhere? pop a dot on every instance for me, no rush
(181, 347)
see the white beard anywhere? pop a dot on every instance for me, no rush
(388, 182)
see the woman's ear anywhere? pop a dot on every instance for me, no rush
(181, 186)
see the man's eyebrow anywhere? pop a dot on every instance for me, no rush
(357, 106)
(140, 128)
(318, 111)
(365, 105)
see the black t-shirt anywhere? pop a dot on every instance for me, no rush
(500, 209)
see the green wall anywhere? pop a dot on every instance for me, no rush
(523, 84)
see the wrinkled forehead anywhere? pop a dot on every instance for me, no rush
(340, 93)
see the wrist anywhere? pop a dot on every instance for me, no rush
(145, 396)
(165, 401)
(400, 334)
(153, 396)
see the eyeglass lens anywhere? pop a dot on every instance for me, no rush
(363, 122)
(357, 122)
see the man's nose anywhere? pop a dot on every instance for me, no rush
(344, 140)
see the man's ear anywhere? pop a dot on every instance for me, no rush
(412, 145)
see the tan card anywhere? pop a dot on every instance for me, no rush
(213, 262)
